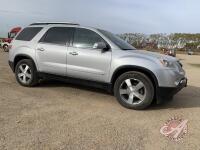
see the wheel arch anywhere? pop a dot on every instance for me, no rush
(119, 71)
(21, 57)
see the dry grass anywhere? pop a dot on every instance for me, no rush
(61, 116)
(195, 65)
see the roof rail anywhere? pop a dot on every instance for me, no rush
(47, 23)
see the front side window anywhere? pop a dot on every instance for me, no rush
(58, 35)
(117, 40)
(28, 33)
(12, 34)
(85, 38)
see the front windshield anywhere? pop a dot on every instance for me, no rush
(117, 40)
(12, 35)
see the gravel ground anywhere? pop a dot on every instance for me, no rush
(57, 115)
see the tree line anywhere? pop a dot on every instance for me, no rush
(176, 41)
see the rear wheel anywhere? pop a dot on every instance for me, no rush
(26, 73)
(134, 90)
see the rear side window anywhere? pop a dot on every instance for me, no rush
(28, 33)
(85, 38)
(58, 35)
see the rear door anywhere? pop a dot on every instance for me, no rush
(51, 51)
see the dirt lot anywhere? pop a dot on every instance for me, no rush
(63, 116)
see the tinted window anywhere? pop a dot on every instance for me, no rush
(85, 38)
(58, 35)
(117, 40)
(28, 33)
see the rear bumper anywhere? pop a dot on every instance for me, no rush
(11, 64)
(166, 93)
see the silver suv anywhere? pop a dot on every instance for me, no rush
(95, 57)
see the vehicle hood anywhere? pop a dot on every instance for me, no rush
(150, 55)
(7, 40)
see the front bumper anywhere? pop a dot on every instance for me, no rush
(167, 93)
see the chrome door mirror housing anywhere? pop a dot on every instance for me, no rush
(100, 45)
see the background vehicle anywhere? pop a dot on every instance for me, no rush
(94, 57)
(1, 41)
(171, 52)
(6, 41)
(190, 52)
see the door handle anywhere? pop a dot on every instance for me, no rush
(73, 53)
(40, 49)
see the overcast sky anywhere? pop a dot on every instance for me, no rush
(118, 16)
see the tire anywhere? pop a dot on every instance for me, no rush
(27, 77)
(134, 90)
(5, 48)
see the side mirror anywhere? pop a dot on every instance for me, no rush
(8, 35)
(101, 45)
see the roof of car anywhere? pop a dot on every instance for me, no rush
(60, 24)
(49, 23)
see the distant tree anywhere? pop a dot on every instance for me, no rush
(177, 41)
(192, 46)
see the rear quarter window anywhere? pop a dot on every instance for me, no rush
(28, 33)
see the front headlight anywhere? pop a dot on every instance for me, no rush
(172, 65)
(166, 63)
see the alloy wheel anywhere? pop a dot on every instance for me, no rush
(24, 73)
(132, 91)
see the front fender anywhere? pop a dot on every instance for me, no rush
(134, 62)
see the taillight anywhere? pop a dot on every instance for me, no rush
(9, 46)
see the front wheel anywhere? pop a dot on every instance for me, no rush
(134, 90)
(5, 48)
(26, 73)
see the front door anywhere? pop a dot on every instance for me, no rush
(86, 62)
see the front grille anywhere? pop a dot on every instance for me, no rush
(180, 66)
(180, 63)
